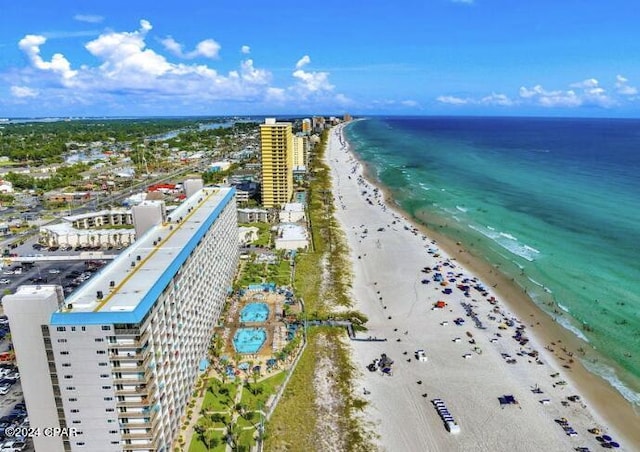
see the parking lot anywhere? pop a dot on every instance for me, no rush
(68, 274)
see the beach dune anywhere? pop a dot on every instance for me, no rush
(478, 347)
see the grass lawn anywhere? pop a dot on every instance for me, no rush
(221, 424)
(242, 422)
(246, 438)
(215, 401)
(198, 446)
(282, 273)
(252, 273)
(269, 386)
(264, 235)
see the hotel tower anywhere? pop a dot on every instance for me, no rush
(114, 365)
(276, 141)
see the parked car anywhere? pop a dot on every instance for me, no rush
(5, 281)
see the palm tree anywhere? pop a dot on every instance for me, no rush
(202, 428)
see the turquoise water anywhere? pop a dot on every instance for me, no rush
(553, 202)
(254, 312)
(249, 340)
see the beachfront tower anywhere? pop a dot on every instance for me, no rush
(117, 361)
(306, 126)
(276, 141)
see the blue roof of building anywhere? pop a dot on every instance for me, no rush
(98, 314)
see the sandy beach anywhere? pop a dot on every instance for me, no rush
(487, 341)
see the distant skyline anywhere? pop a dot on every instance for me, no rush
(420, 57)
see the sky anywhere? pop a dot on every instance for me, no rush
(417, 57)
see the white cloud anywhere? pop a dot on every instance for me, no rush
(453, 100)
(497, 99)
(587, 93)
(492, 99)
(30, 45)
(313, 81)
(343, 100)
(409, 103)
(590, 94)
(207, 48)
(593, 94)
(23, 91)
(172, 46)
(585, 84)
(276, 95)
(537, 95)
(623, 88)
(310, 82)
(128, 67)
(125, 56)
(245, 50)
(89, 18)
(131, 73)
(303, 62)
(251, 74)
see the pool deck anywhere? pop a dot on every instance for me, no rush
(274, 325)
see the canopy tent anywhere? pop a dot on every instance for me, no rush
(507, 400)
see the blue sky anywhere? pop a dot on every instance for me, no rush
(422, 57)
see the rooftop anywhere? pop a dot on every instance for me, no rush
(125, 290)
(291, 231)
(293, 207)
(99, 213)
(67, 228)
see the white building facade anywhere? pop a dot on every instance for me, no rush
(123, 352)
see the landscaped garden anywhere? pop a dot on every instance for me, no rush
(233, 413)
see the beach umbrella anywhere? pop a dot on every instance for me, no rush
(606, 437)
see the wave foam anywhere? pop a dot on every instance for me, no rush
(539, 284)
(508, 242)
(568, 326)
(609, 374)
(461, 209)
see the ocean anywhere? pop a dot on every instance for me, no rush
(553, 202)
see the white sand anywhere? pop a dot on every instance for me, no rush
(390, 262)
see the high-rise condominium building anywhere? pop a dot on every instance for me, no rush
(116, 362)
(276, 140)
(300, 150)
(306, 126)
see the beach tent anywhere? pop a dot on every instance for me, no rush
(507, 400)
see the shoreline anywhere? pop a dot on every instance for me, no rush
(607, 405)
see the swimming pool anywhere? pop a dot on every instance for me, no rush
(249, 340)
(254, 312)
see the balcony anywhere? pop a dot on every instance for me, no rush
(129, 380)
(135, 414)
(151, 445)
(129, 369)
(147, 435)
(133, 391)
(126, 356)
(138, 404)
(126, 331)
(129, 344)
(151, 423)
